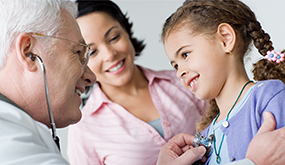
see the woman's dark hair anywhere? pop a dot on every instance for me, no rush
(110, 8)
(204, 17)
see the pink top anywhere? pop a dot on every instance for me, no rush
(109, 134)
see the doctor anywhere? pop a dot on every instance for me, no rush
(37, 35)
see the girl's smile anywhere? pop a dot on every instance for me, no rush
(192, 82)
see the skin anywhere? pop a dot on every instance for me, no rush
(111, 47)
(178, 150)
(64, 72)
(269, 138)
(205, 66)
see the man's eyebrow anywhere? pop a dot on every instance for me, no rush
(82, 41)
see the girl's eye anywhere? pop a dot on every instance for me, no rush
(185, 55)
(175, 66)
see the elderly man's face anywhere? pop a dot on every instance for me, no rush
(66, 75)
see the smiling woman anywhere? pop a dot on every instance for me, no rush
(132, 111)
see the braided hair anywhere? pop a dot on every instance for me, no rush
(204, 16)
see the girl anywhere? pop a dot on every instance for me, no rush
(206, 42)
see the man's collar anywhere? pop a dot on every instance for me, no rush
(4, 98)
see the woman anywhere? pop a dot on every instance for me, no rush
(132, 111)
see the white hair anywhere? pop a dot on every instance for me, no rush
(41, 16)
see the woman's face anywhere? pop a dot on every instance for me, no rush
(112, 57)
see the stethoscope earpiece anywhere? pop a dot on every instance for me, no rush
(32, 56)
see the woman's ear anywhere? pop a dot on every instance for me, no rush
(25, 43)
(228, 36)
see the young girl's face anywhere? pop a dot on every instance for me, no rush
(200, 61)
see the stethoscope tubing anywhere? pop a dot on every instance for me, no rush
(52, 123)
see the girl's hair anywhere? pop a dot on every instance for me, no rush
(204, 17)
(18, 16)
(110, 8)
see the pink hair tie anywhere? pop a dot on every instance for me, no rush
(274, 56)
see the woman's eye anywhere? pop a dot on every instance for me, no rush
(115, 38)
(185, 55)
(93, 52)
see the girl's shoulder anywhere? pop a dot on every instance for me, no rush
(269, 86)
(266, 94)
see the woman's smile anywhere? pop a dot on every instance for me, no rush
(119, 67)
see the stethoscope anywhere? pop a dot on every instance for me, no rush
(52, 123)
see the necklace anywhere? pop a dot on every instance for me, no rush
(218, 158)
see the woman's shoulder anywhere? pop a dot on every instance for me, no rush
(169, 75)
(169, 72)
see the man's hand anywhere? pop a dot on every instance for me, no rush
(268, 145)
(179, 150)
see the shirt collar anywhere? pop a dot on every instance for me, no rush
(99, 98)
(4, 98)
(151, 75)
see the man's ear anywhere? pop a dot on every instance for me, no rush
(25, 44)
(228, 36)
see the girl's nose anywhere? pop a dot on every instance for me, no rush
(181, 74)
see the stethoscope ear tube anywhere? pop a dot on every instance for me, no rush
(52, 123)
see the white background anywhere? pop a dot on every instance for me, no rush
(148, 17)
